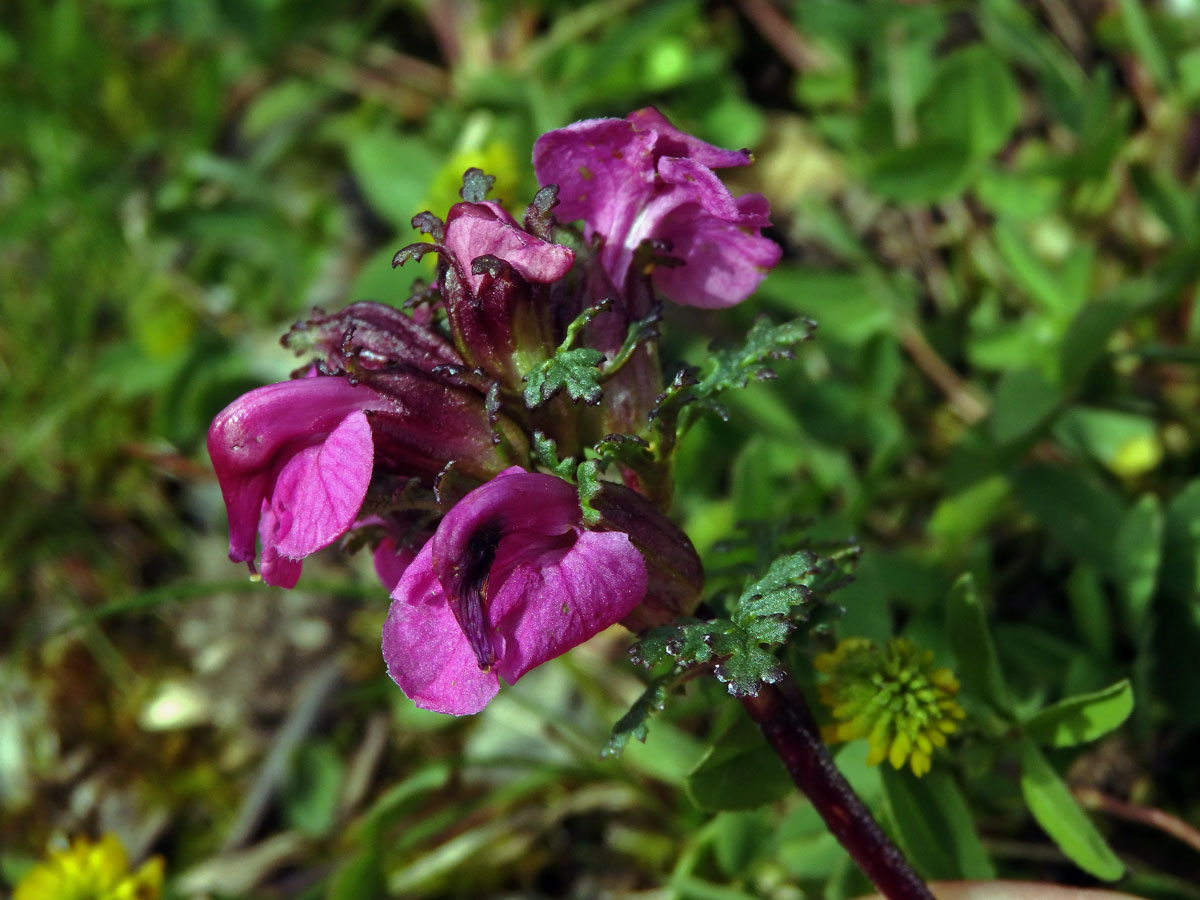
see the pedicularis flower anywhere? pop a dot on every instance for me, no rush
(510, 579)
(640, 179)
(892, 696)
(90, 870)
(413, 430)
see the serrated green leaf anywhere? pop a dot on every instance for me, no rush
(546, 452)
(587, 477)
(576, 370)
(744, 665)
(740, 771)
(632, 725)
(971, 642)
(627, 449)
(686, 643)
(729, 369)
(763, 617)
(1050, 801)
(1083, 718)
(747, 667)
(934, 825)
(764, 342)
(785, 585)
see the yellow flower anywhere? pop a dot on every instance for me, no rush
(92, 871)
(892, 696)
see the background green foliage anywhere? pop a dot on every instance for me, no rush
(990, 208)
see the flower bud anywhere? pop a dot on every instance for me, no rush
(368, 335)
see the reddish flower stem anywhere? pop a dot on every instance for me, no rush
(788, 726)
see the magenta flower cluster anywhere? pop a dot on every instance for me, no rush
(412, 428)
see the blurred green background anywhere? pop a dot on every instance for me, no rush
(992, 210)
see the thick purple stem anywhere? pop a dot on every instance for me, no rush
(788, 726)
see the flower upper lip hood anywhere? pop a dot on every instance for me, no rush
(486, 229)
(494, 280)
(509, 580)
(639, 178)
(295, 460)
(275, 437)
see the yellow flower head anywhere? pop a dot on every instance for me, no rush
(92, 871)
(892, 696)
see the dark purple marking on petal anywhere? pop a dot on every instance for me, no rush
(469, 602)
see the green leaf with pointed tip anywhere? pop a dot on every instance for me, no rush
(311, 792)
(922, 172)
(1087, 336)
(394, 191)
(740, 771)
(359, 876)
(1050, 801)
(1138, 556)
(1081, 512)
(1024, 401)
(974, 101)
(934, 825)
(1082, 718)
(971, 642)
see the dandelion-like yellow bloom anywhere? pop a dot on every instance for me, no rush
(892, 696)
(92, 871)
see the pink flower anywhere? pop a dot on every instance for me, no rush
(509, 580)
(494, 281)
(391, 559)
(294, 461)
(640, 179)
(486, 229)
